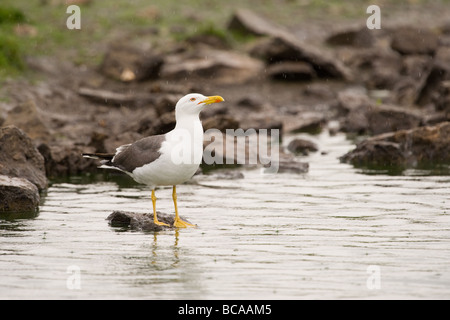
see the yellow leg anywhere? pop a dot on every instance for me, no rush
(155, 217)
(178, 223)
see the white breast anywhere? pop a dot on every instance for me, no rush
(181, 155)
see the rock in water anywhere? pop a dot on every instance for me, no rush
(405, 148)
(302, 146)
(18, 195)
(140, 221)
(20, 158)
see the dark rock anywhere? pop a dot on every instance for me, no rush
(376, 153)
(439, 87)
(126, 137)
(405, 92)
(406, 148)
(220, 122)
(414, 40)
(245, 21)
(126, 63)
(417, 67)
(432, 89)
(377, 119)
(388, 118)
(217, 65)
(286, 47)
(357, 37)
(65, 160)
(382, 78)
(18, 195)
(309, 122)
(443, 97)
(114, 98)
(355, 122)
(353, 104)
(20, 158)
(302, 146)
(375, 67)
(98, 142)
(141, 221)
(364, 116)
(253, 102)
(293, 71)
(163, 124)
(166, 103)
(292, 166)
(414, 72)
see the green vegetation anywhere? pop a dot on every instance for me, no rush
(10, 52)
(10, 56)
(103, 22)
(11, 15)
(211, 29)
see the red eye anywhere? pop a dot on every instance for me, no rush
(193, 99)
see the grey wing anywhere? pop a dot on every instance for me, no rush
(137, 154)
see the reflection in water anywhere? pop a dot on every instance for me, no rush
(175, 248)
(12, 216)
(279, 236)
(162, 268)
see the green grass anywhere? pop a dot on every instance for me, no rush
(10, 51)
(11, 15)
(10, 56)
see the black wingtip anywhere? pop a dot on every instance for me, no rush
(102, 156)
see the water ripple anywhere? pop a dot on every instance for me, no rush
(278, 237)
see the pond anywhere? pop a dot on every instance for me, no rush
(334, 233)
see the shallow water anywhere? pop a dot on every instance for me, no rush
(332, 233)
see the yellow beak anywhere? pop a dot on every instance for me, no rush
(212, 99)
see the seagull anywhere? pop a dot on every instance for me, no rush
(166, 159)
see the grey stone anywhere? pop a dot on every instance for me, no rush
(20, 158)
(18, 195)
